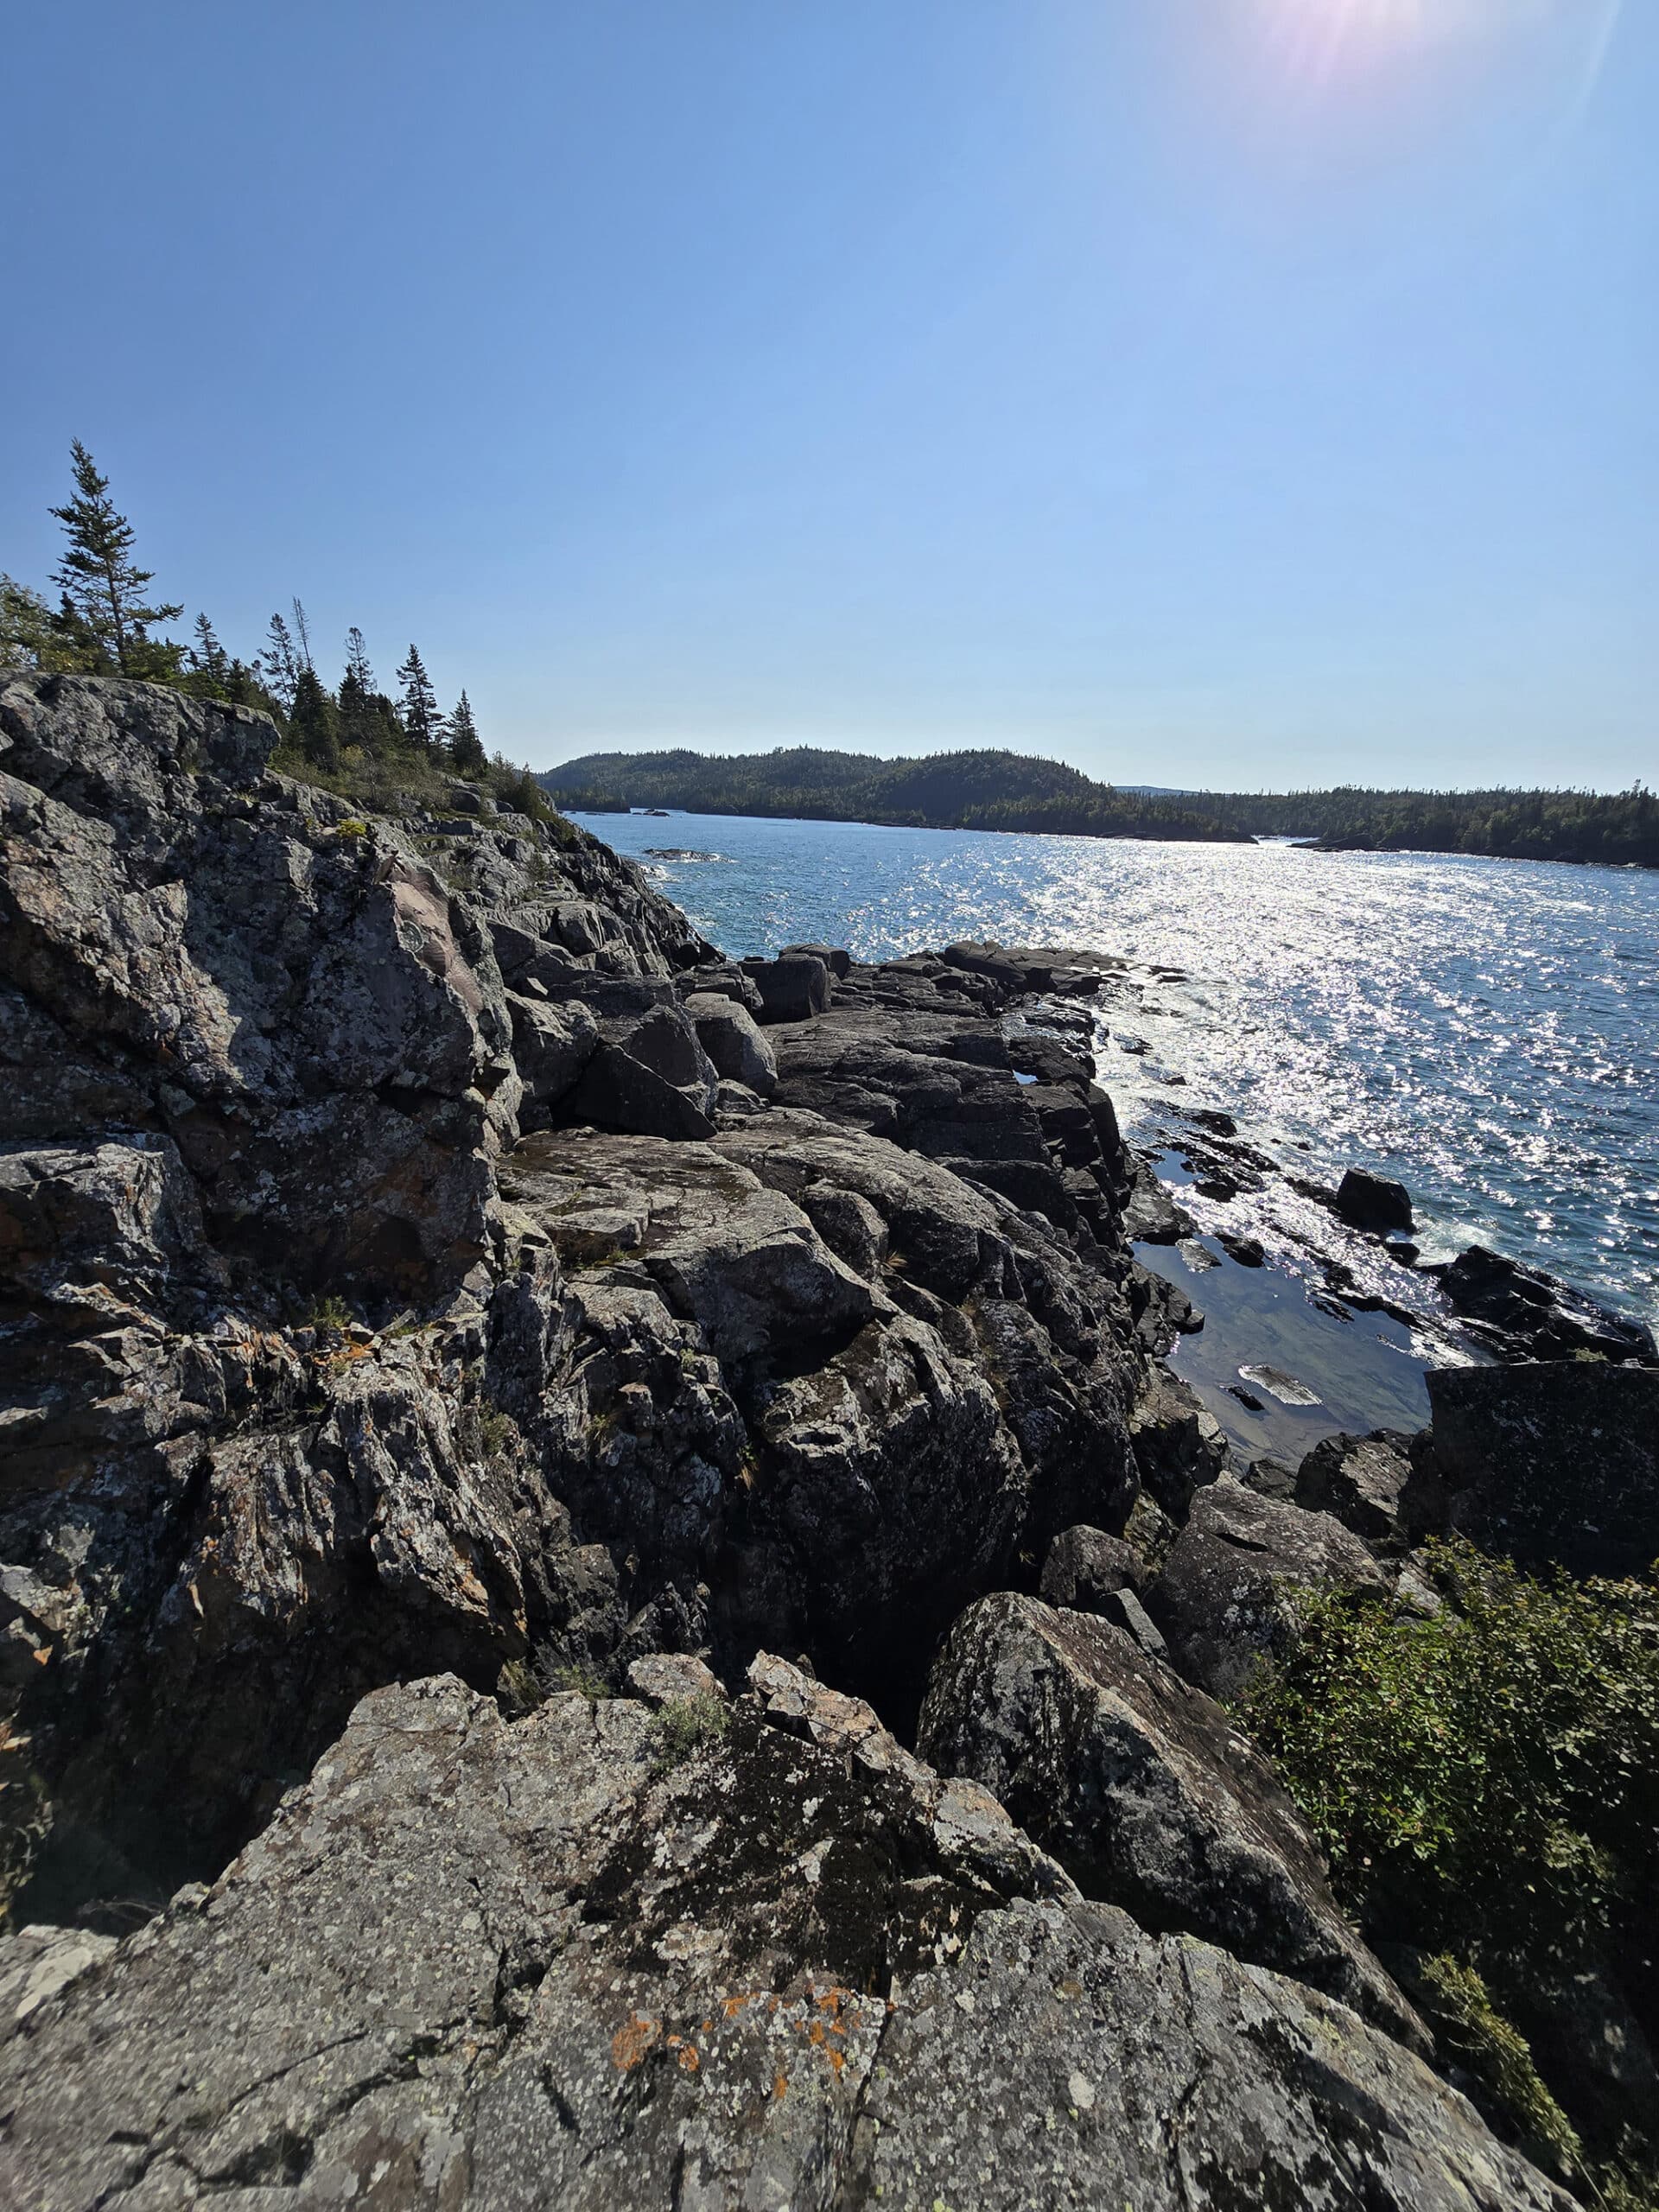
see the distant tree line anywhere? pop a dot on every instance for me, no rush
(1012, 790)
(1619, 828)
(982, 790)
(355, 736)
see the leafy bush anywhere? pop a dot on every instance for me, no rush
(1486, 1784)
(1496, 1767)
(683, 1726)
(1470, 2026)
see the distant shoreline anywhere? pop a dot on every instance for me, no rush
(1310, 844)
(1022, 793)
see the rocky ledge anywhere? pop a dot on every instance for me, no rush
(456, 1322)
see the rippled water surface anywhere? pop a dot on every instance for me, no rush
(1486, 1030)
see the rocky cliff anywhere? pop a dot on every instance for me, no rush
(458, 1329)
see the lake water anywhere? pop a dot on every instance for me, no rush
(1488, 1030)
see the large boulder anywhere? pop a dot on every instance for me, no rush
(1374, 1202)
(730, 1036)
(1374, 1485)
(1556, 1462)
(1086, 1566)
(1225, 1598)
(718, 1954)
(793, 988)
(1139, 1787)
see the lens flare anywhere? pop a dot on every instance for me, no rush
(1322, 39)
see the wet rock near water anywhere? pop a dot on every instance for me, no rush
(1519, 1312)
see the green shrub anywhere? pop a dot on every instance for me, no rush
(1486, 1785)
(575, 1675)
(498, 1432)
(329, 1312)
(1469, 2026)
(1496, 1768)
(682, 1727)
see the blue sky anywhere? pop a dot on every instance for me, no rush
(1208, 391)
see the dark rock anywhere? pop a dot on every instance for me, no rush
(615, 1091)
(1086, 1566)
(1270, 1478)
(835, 958)
(780, 1970)
(728, 1034)
(793, 987)
(1152, 1216)
(1372, 1487)
(551, 1046)
(1522, 1314)
(1222, 1601)
(1142, 1790)
(1033, 1052)
(1556, 1462)
(1247, 1250)
(1373, 1202)
(1179, 1447)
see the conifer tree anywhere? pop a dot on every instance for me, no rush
(33, 638)
(313, 722)
(209, 658)
(301, 636)
(422, 720)
(465, 747)
(357, 661)
(279, 664)
(103, 585)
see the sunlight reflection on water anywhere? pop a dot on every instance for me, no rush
(1486, 1030)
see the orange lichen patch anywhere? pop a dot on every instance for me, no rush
(689, 2059)
(731, 2006)
(836, 2059)
(781, 2085)
(630, 2043)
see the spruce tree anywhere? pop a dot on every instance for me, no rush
(33, 638)
(422, 720)
(357, 663)
(313, 722)
(465, 747)
(103, 585)
(279, 664)
(209, 660)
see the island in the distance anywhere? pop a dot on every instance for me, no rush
(1000, 789)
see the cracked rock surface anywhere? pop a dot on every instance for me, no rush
(565, 1962)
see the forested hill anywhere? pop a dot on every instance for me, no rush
(1016, 790)
(948, 791)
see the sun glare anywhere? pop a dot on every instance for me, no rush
(1326, 35)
